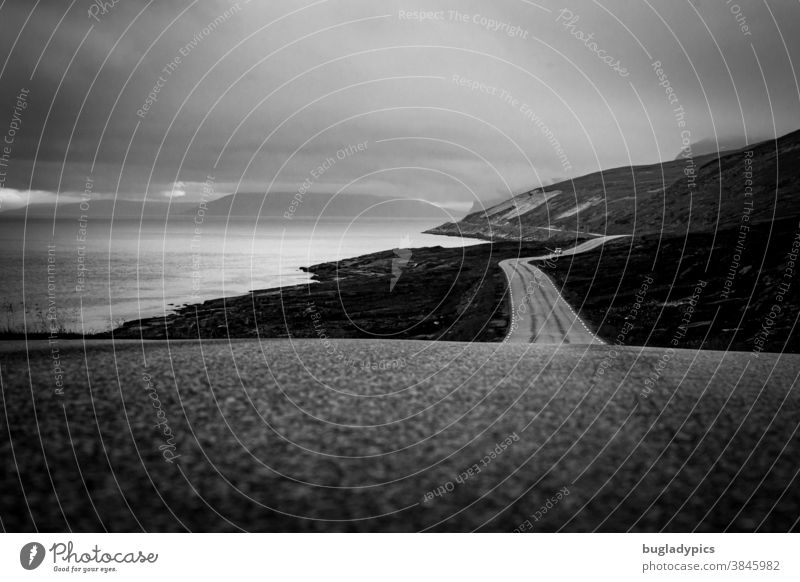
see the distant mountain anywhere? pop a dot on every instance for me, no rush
(243, 205)
(122, 209)
(280, 205)
(699, 194)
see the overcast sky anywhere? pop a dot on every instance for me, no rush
(264, 95)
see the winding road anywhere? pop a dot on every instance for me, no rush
(538, 312)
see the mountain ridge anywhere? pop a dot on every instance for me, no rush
(691, 194)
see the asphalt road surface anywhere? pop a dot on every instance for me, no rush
(395, 436)
(538, 312)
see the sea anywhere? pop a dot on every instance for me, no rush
(87, 277)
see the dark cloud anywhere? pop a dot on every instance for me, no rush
(256, 93)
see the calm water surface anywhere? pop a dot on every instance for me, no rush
(110, 272)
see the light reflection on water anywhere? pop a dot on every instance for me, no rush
(138, 270)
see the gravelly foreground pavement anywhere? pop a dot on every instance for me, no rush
(283, 435)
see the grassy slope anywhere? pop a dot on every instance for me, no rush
(604, 285)
(699, 195)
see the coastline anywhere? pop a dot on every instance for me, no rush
(146, 270)
(650, 299)
(429, 293)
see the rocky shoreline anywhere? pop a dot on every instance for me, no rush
(433, 293)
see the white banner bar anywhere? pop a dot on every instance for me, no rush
(399, 557)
